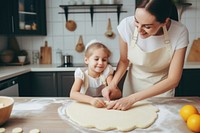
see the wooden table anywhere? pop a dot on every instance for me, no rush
(45, 114)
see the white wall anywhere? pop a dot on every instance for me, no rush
(59, 37)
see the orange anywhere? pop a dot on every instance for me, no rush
(193, 123)
(188, 110)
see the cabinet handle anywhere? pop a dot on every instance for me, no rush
(13, 29)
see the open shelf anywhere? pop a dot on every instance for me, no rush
(92, 9)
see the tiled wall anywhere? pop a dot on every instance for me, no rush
(60, 38)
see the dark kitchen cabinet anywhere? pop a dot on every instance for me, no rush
(51, 84)
(189, 84)
(56, 84)
(24, 82)
(43, 84)
(65, 81)
(23, 17)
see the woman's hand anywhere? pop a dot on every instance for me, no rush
(121, 104)
(99, 103)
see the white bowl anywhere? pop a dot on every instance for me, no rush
(6, 105)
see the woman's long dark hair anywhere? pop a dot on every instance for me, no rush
(161, 9)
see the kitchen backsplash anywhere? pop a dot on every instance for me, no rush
(59, 38)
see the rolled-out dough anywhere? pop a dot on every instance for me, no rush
(141, 115)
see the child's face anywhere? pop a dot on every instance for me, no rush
(98, 61)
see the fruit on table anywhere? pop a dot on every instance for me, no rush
(193, 123)
(188, 110)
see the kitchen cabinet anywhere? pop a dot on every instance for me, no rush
(23, 17)
(55, 83)
(44, 84)
(65, 81)
(24, 83)
(189, 83)
(51, 84)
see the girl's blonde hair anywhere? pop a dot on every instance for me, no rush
(97, 45)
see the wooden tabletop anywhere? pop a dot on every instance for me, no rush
(46, 114)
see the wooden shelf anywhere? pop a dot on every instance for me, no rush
(92, 9)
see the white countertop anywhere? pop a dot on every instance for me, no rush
(7, 72)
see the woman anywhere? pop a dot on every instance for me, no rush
(153, 46)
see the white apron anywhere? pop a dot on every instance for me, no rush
(93, 91)
(147, 68)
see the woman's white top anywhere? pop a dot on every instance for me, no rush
(178, 35)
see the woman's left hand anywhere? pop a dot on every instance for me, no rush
(121, 104)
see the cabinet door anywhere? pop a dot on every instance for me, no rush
(189, 84)
(43, 84)
(65, 82)
(24, 85)
(6, 10)
(23, 17)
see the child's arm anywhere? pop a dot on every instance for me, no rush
(76, 95)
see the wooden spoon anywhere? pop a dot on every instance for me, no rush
(109, 33)
(80, 46)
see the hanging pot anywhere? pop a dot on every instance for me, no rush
(80, 46)
(71, 25)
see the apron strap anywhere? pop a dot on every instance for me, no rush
(85, 82)
(166, 36)
(134, 37)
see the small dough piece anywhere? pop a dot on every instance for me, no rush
(1, 105)
(17, 130)
(2, 130)
(34, 131)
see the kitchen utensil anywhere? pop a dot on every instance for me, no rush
(71, 25)
(6, 108)
(21, 59)
(45, 54)
(35, 57)
(80, 46)
(194, 54)
(109, 33)
(7, 56)
(67, 61)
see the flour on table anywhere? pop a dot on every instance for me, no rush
(142, 115)
(1, 105)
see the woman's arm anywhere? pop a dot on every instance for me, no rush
(120, 71)
(122, 64)
(76, 95)
(174, 76)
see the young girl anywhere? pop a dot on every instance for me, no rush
(90, 82)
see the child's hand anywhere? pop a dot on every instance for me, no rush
(106, 93)
(99, 103)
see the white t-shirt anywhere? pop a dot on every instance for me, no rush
(93, 82)
(178, 35)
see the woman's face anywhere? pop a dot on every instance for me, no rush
(146, 23)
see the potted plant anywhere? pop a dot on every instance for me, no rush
(22, 56)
